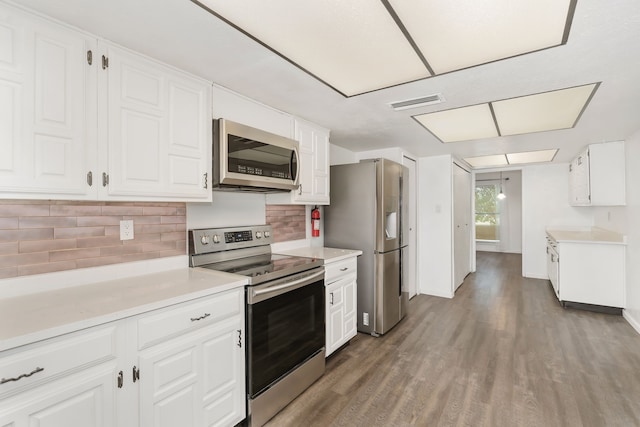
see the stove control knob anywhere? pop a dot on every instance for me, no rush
(258, 234)
(204, 239)
(267, 234)
(216, 238)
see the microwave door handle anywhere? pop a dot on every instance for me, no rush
(295, 153)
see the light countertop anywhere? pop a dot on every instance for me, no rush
(34, 317)
(327, 254)
(586, 235)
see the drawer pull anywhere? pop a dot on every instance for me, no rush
(344, 268)
(204, 316)
(18, 378)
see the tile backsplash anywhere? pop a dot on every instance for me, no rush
(39, 236)
(287, 222)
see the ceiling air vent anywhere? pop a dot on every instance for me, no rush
(417, 102)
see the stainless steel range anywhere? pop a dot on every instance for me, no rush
(285, 313)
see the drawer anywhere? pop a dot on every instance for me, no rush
(35, 363)
(336, 270)
(183, 318)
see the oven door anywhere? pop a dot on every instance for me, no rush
(285, 327)
(249, 157)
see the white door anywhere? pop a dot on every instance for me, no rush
(461, 225)
(47, 96)
(413, 203)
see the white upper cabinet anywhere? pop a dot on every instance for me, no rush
(158, 125)
(82, 119)
(597, 176)
(314, 164)
(47, 109)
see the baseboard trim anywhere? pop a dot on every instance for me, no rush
(635, 323)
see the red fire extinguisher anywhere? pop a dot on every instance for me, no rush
(315, 222)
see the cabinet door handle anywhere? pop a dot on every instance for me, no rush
(90, 179)
(19, 377)
(331, 298)
(300, 189)
(135, 374)
(206, 183)
(553, 258)
(120, 379)
(240, 338)
(204, 316)
(547, 249)
(105, 179)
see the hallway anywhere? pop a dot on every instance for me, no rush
(501, 353)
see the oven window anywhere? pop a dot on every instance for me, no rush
(284, 331)
(256, 158)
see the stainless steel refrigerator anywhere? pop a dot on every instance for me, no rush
(368, 212)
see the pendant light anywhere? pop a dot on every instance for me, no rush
(501, 195)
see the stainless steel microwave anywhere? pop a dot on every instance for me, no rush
(250, 159)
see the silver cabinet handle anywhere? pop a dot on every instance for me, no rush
(239, 338)
(331, 298)
(206, 182)
(136, 374)
(19, 377)
(120, 379)
(344, 268)
(204, 316)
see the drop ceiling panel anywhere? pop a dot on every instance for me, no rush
(453, 35)
(531, 156)
(354, 46)
(460, 124)
(487, 161)
(559, 109)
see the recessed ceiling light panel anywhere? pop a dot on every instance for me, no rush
(487, 161)
(559, 109)
(460, 124)
(354, 46)
(539, 156)
(453, 35)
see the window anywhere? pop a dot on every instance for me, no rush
(487, 212)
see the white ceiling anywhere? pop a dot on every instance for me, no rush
(603, 46)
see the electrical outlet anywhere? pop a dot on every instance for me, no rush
(365, 319)
(126, 229)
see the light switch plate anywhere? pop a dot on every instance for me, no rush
(126, 229)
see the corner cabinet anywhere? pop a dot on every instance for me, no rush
(86, 120)
(181, 365)
(597, 176)
(340, 303)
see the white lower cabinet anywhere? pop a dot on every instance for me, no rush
(179, 366)
(340, 303)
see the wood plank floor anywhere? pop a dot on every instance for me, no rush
(501, 353)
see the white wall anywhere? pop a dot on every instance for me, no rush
(545, 195)
(511, 212)
(227, 209)
(341, 156)
(435, 238)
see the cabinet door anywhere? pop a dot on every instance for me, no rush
(85, 399)
(350, 308)
(579, 191)
(334, 316)
(197, 379)
(158, 130)
(47, 108)
(314, 164)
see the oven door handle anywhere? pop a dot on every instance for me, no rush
(295, 283)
